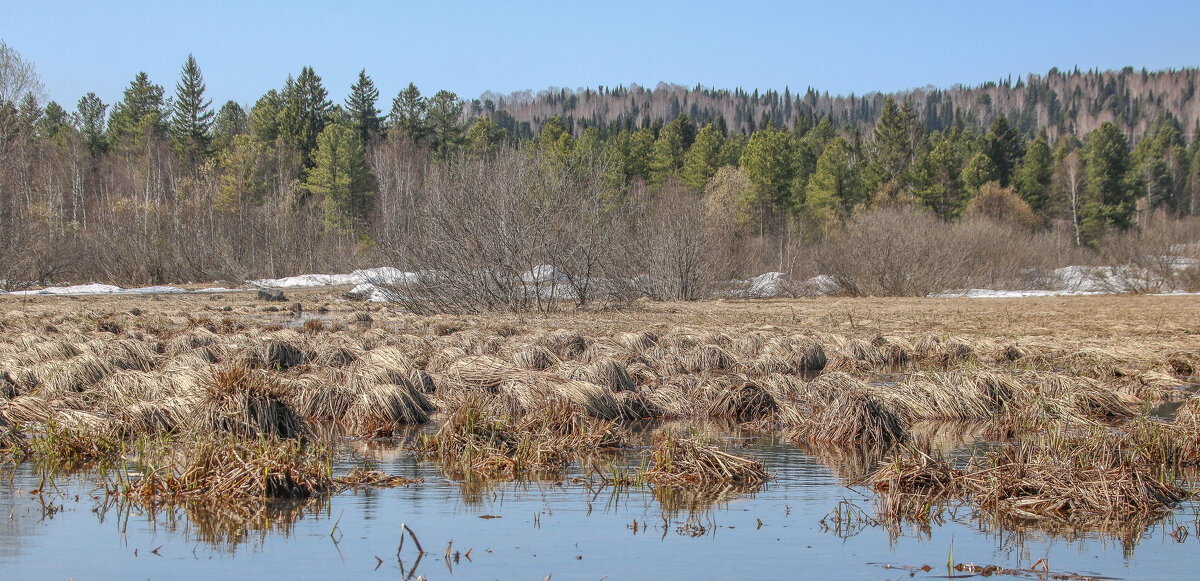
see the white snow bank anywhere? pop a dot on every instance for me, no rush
(765, 285)
(544, 273)
(369, 292)
(382, 275)
(985, 293)
(79, 289)
(776, 284)
(154, 290)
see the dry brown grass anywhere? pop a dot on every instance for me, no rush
(823, 371)
(677, 461)
(230, 467)
(1093, 480)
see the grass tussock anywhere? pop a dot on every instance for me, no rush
(678, 461)
(481, 439)
(381, 409)
(224, 466)
(853, 417)
(1093, 480)
(743, 402)
(246, 402)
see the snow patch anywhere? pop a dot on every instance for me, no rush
(154, 290)
(381, 275)
(543, 274)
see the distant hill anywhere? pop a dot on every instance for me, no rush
(1072, 102)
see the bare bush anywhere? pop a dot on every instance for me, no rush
(892, 252)
(1162, 255)
(513, 231)
(681, 245)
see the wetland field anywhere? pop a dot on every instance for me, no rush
(181, 436)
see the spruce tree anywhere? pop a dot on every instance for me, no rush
(191, 123)
(1005, 146)
(1033, 178)
(360, 106)
(306, 111)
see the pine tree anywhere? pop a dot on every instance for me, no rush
(980, 170)
(832, 188)
(338, 177)
(54, 124)
(264, 118)
(445, 109)
(192, 120)
(668, 154)
(767, 162)
(231, 122)
(1110, 201)
(139, 114)
(89, 119)
(408, 114)
(703, 159)
(1035, 173)
(360, 105)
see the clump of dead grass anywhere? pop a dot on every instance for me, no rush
(246, 402)
(679, 461)
(480, 438)
(224, 466)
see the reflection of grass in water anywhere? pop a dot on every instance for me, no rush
(226, 525)
(699, 499)
(1099, 480)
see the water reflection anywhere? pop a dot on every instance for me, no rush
(537, 527)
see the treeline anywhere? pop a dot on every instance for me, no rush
(1059, 102)
(165, 187)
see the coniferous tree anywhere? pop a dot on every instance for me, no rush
(1005, 146)
(1160, 161)
(980, 170)
(338, 177)
(1110, 201)
(89, 119)
(192, 119)
(360, 106)
(408, 114)
(137, 115)
(445, 109)
(306, 111)
(264, 118)
(767, 162)
(703, 159)
(832, 188)
(893, 141)
(54, 123)
(1035, 174)
(231, 121)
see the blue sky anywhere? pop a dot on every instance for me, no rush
(246, 48)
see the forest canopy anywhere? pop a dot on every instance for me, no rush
(166, 186)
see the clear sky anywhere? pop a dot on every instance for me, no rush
(840, 46)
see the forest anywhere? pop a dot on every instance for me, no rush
(670, 189)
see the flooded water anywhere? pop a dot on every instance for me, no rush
(565, 529)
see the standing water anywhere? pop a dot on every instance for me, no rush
(66, 526)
